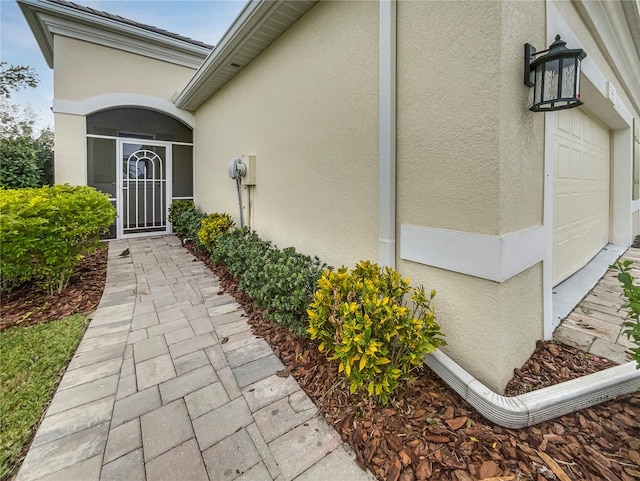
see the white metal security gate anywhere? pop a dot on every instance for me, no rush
(144, 182)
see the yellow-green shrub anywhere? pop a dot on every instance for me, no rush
(44, 232)
(375, 324)
(212, 227)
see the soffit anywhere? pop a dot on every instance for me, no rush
(47, 18)
(632, 12)
(609, 23)
(259, 24)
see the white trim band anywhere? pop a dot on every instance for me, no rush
(107, 101)
(496, 258)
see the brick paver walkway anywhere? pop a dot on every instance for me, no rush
(595, 325)
(152, 394)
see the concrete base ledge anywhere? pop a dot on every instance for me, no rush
(540, 405)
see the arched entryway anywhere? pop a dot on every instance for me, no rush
(143, 160)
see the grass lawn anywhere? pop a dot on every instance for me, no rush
(32, 361)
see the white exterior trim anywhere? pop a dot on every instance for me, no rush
(620, 120)
(496, 258)
(549, 324)
(47, 19)
(250, 34)
(101, 102)
(387, 136)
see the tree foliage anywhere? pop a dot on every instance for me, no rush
(26, 157)
(16, 77)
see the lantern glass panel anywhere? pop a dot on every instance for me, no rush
(537, 97)
(568, 78)
(551, 80)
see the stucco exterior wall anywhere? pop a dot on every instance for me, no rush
(307, 107)
(83, 70)
(470, 158)
(70, 149)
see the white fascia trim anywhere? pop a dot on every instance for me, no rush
(46, 19)
(556, 24)
(248, 19)
(611, 32)
(101, 102)
(387, 135)
(496, 258)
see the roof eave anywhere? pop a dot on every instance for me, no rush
(46, 19)
(220, 67)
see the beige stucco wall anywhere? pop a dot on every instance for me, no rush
(83, 70)
(308, 109)
(470, 158)
(70, 149)
(636, 222)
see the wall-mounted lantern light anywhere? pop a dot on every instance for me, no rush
(554, 76)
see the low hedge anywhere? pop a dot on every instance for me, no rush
(186, 219)
(280, 281)
(44, 232)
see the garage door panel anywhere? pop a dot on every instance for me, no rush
(581, 191)
(576, 125)
(577, 171)
(564, 121)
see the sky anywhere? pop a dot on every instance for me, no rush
(204, 20)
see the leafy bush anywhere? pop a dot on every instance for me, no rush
(632, 306)
(45, 232)
(375, 324)
(280, 281)
(185, 219)
(26, 161)
(19, 166)
(212, 227)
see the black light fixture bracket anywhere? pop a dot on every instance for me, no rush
(529, 54)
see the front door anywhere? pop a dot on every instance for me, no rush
(145, 186)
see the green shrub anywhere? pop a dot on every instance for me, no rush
(19, 159)
(212, 227)
(632, 306)
(185, 219)
(45, 232)
(375, 324)
(280, 281)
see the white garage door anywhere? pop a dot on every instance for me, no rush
(581, 191)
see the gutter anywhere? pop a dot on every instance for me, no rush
(536, 406)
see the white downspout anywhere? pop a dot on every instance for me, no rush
(387, 136)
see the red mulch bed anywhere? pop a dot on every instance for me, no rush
(429, 432)
(27, 305)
